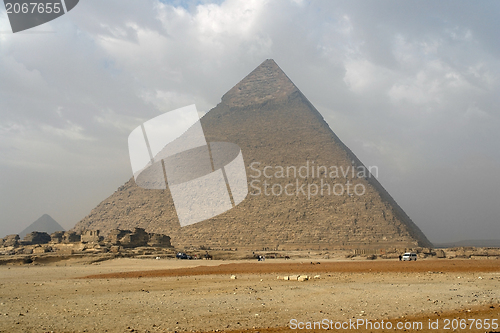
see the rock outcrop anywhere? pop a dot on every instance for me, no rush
(11, 240)
(57, 237)
(159, 240)
(115, 235)
(71, 237)
(91, 236)
(138, 237)
(116, 238)
(135, 239)
(36, 237)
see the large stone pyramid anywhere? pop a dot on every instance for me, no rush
(276, 127)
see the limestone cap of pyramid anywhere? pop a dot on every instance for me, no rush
(265, 83)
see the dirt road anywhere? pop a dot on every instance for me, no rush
(271, 267)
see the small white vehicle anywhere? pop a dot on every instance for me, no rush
(409, 256)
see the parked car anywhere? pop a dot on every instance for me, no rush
(182, 255)
(409, 256)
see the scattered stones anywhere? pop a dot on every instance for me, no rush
(294, 277)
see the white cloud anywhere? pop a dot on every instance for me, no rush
(362, 76)
(231, 18)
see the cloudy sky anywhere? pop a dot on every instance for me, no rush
(411, 87)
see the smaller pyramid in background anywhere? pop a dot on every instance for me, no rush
(44, 224)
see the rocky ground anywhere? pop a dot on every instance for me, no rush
(74, 296)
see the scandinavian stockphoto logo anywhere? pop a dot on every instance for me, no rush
(26, 14)
(204, 179)
(310, 179)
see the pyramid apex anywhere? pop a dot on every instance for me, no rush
(270, 61)
(266, 82)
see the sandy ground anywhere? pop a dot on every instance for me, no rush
(180, 295)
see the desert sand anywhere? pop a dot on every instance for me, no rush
(170, 295)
